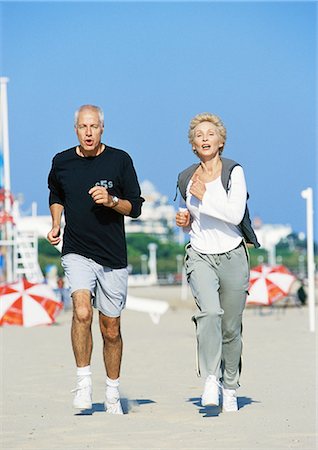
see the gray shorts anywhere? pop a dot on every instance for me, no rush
(108, 286)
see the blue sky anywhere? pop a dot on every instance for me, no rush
(152, 66)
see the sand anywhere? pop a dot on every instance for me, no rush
(159, 386)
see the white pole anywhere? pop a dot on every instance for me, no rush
(6, 171)
(152, 262)
(34, 209)
(272, 255)
(307, 194)
(184, 285)
(5, 136)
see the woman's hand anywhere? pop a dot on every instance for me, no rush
(183, 218)
(197, 187)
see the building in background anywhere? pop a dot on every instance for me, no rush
(269, 235)
(157, 217)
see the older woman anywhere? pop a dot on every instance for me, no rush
(213, 210)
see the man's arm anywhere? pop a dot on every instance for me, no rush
(130, 188)
(56, 214)
(101, 196)
(123, 207)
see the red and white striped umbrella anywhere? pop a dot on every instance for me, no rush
(269, 284)
(28, 304)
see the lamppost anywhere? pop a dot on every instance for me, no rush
(153, 261)
(279, 259)
(301, 265)
(179, 264)
(307, 194)
(144, 259)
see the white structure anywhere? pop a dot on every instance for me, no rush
(157, 217)
(26, 234)
(269, 236)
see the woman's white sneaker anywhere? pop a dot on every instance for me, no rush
(210, 396)
(229, 400)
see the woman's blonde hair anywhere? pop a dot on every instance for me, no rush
(208, 117)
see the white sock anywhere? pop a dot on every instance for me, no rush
(83, 372)
(112, 389)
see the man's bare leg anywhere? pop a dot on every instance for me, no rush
(113, 344)
(81, 331)
(82, 343)
(112, 351)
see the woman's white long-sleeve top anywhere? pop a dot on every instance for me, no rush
(214, 220)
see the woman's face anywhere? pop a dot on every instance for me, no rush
(207, 141)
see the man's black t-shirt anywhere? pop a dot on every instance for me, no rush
(92, 230)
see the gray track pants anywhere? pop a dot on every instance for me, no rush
(219, 285)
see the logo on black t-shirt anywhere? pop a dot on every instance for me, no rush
(105, 183)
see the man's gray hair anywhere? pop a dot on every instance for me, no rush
(95, 108)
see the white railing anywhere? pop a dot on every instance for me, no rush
(26, 257)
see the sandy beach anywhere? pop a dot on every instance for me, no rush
(159, 387)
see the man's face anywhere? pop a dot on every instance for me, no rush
(89, 129)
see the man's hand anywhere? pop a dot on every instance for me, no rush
(197, 187)
(101, 196)
(54, 235)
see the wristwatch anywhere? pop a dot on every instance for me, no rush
(115, 201)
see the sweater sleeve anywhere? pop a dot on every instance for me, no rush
(230, 206)
(131, 189)
(56, 194)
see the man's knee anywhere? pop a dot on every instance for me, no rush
(110, 328)
(112, 335)
(83, 314)
(82, 308)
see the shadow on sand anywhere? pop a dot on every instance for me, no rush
(214, 411)
(126, 404)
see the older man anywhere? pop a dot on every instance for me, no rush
(95, 186)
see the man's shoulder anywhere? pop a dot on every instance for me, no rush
(116, 152)
(64, 154)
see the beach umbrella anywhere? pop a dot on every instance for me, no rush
(269, 284)
(28, 304)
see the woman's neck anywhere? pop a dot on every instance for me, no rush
(214, 164)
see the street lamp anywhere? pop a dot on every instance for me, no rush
(279, 259)
(301, 265)
(152, 247)
(144, 259)
(179, 264)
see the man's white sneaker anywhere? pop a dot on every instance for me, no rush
(229, 400)
(83, 393)
(113, 407)
(210, 396)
